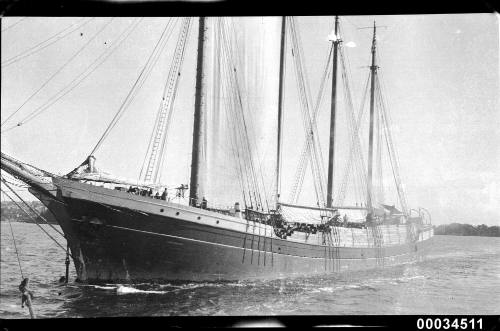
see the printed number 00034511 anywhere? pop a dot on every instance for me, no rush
(446, 324)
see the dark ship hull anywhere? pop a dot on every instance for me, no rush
(116, 236)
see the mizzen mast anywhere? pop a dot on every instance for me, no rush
(373, 69)
(331, 155)
(199, 118)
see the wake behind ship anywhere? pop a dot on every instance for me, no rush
(118, 229)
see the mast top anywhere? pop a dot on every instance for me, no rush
(334, 37)
(374, 67)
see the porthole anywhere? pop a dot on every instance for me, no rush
(217, 222)
(177, 213)
(199, 217)
(161, 210)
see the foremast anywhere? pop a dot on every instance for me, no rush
(199, 117)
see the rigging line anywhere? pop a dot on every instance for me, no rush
(31, 208)
(15, 245)
(390, 148)
(301, 94)
(352, 123)
(80, 78)
(248, 132)
(19, 184)
(309, 98)
(243, 125)
(163, 102)
(379, 169)
(141, 82)
(308, 125)
(304, 160)
(317, 163)
(234, 149)
(170, 114)
(226, 101)
(36, 222)
(144, 73)
(59, 70)
(22, 187)
(243, 171)
(12, 25)
(354, 126)
(392, 152)
(33, 49)
(238, 130)
(46, 173)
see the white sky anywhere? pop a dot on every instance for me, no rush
(440, 72)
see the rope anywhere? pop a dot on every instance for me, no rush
(303, 162)
(248, 137)
(31, 208)
(354, 125)
(226, 103)
(58, 244)
(304, 93)
(34, 49)
(15, 247)
(80, 78)
(20, 185)
(58, 71)
(241, 130)
(393, 157)
(152, 59)
(166, 110)
(12, 25)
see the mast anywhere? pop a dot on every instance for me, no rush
(199, 115)
(331, 154)
(280, 107)
(373, 69)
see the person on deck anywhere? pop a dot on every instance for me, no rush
(204, 203)
(164, 194)
(157, 195)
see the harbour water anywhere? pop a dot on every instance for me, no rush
(460, 275)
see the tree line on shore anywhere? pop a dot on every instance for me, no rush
(11, 212)
(458, 229)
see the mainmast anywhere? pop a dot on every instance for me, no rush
(280, 107)
(199, 118)
(331, 154)
(373, 69)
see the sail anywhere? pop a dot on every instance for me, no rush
(241, 110)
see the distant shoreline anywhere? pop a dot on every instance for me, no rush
(11, 212)
(459, 229)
